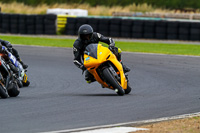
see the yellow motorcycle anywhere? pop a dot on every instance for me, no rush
(106, 69)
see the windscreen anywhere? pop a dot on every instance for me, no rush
(91, 50)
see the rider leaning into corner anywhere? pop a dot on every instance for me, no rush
(10, 48)
(86, 36)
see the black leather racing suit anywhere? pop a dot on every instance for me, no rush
(8, 45)
(79, 47)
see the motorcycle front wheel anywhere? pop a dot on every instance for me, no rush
(26, 84)
(110, 79)
(128, 90)
(14, 91)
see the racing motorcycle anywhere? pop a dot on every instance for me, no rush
(106, 69)
(8, 84)
(22, 78)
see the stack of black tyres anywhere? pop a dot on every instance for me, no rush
(80, 21)
(137, 29)
(30, 24)
(14, 22)
(94, 22)
(5, 23)
(184, 30)
(0, 21)
(126, 28)
(71, 26)
(161, 30)
(172, 30)
(149, 29)
(39, 24)
(22, 27)
(50, 24)
(115, 27)
(104, 26)
(195, 31)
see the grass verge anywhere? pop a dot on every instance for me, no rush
(161, 48)
(97, 10)
(188, 125)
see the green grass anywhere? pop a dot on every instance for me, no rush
(178, 49)
(162, 48)
(39, 41)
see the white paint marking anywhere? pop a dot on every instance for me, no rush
(128, 123)
(114, 130)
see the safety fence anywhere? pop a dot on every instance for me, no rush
(28, 24)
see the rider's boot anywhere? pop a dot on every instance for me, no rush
(125, 68)
(25, 66)
(89, 77)
(118, 55)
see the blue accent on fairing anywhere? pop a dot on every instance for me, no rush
(3, 47)
(88, 58)
(16, 62)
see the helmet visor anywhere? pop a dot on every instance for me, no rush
(85, 36)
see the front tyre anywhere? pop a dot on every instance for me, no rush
(128, 90)
(113, 82)
(26, 84)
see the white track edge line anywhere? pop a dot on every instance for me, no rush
(135, 123)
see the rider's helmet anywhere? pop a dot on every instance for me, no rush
(85, 33)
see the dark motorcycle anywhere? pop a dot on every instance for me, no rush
(8, 84)
(19, 71)
(22, 78)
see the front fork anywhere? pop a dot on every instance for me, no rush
(1, 82)
(113, 72)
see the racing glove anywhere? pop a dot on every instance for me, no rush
(112, 46)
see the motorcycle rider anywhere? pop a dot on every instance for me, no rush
(10, 48)
(86, 36)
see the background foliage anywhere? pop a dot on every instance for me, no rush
(167, 4)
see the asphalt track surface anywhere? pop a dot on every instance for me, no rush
(58, 98)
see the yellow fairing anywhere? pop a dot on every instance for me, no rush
(104, 55)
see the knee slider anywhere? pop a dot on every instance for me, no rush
(119, 50)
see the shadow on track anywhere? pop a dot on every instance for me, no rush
(94, 95)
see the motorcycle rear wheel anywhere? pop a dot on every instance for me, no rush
(14, 92)
(113, 82)
(3, 93)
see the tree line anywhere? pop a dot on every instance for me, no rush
(166, 4)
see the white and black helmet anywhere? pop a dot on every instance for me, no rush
(85, 32)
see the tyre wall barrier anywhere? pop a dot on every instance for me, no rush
(113, 27)
(28, 24)
(132, 28)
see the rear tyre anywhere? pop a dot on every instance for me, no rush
(113, 82)
(3, 93)
(14, 91)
